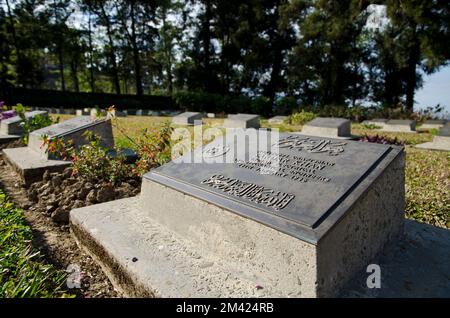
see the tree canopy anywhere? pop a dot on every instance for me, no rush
(318, 52)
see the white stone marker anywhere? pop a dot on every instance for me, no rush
(12, 126)
(400, 125)
(440, 142)
(328, 127)
(242, 121)
(433, 124)
(187, 118)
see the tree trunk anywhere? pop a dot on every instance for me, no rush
(14, 35)
(411, 80)
(168, 52)
(137, 62)
(206, 46)
(91, 54)
(112, 54)
(61, 67)
(74, 71)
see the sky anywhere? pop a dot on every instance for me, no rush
(435, 90)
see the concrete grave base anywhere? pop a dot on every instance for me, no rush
(400, 125)
(439, 143)
(7, 138)
(164, 265)
(166, 243)
(416, 266)
(187, 118)
(338, 128)
(30, 165)
(112, 233)
(242, 121)
(433, 124)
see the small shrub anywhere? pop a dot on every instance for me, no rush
(285, 105)
(301, 118)
(93, 163)
(153, 148)
(34, 123)
(382, 140)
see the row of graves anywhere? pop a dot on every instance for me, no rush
(254, 213)
(339, 128)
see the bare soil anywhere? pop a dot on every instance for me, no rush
(54, 240)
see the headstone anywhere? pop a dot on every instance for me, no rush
(328, 127)
(433, 124)
(83, 112)
(32, 161)
(187, 118)
(400, 125)
(277, 119)
(298, 222)
(154, 113)
(440, 142)
(94, 111)
(380, 122)
(242, 121)
(13, 125)
(73, 129)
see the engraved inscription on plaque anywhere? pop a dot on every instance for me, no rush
(295, 168)
(250, 191)
(301, 181)
(312, 145)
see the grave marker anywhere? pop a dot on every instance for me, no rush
(328, 127)
(32, 161)
(301, 229)
(400, 125)
(242, 121)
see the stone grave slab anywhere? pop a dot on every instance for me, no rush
(328, 127)
(400, 125)
(433, 124)
(301, 230)
(440, 142)
(187, 118)
(277, 119)
(11, 129)
(32, 161)
(242, 121)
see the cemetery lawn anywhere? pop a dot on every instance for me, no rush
(22, 271)
(427, 172)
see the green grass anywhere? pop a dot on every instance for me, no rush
(23, 273)
(427, 172)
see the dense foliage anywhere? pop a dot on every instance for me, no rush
(30, 124)
(307, 52)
